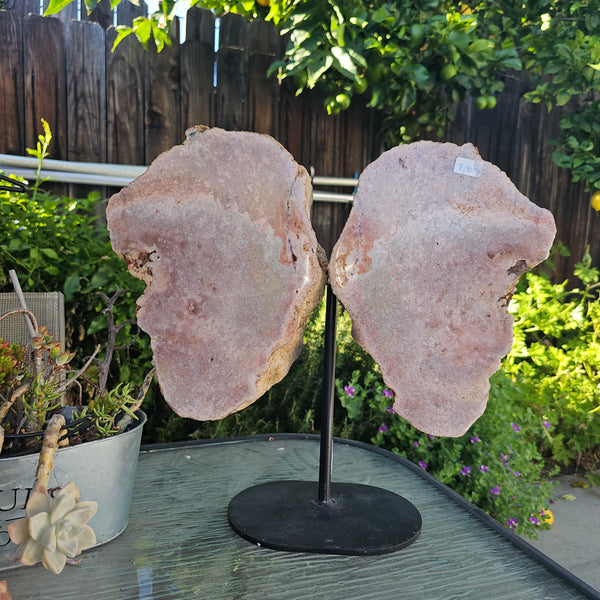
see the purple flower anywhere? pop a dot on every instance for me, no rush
(495, 491)
(504, 458)
(547, 425)
(383, 428)
(512, 523)
(387, 393)
(416, 444)
(349, 390)
(431, 437)
(534, 520)
(423, 465)
(475, 439)
(517, 474)
(515, 427)
(390, 409)
(465, 470)
(484, 469)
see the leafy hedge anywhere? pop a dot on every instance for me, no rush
(59, 244)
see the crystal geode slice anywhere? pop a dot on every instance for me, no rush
(426, 265)
(219, 229)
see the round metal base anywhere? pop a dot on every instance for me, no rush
(358, 520)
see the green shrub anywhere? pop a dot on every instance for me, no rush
(59, 244)
(554, 366)
(495, 464)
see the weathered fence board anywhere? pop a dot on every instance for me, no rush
(263, 93)
(197, 70)
(163, 116)
(126, 12)
(11, 90)
(45, 82)
(232, 74)
(130, 105)
(125, 99)
(86, 83)
(102, 14)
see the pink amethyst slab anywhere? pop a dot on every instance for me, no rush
(426, 266)
(219, 229)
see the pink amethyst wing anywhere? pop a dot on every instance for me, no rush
(425, 266)
(219, 229)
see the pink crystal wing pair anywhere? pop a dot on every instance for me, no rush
(220, 230)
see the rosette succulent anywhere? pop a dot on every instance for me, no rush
(54, 531)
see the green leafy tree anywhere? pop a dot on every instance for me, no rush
(415, 59)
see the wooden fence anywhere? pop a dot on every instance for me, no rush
(129, 105)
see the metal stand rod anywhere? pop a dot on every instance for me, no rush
(343, 518)
(324, 490)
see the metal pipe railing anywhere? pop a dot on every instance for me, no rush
(121, 175)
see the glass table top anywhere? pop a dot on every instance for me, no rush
(179, 545)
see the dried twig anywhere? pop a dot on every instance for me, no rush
(31, 323)
(104, 367)
(50, 443)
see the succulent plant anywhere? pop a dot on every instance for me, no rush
(54, 531)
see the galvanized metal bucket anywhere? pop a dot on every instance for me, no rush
(103, 470)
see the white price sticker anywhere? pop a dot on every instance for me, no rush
(467, 166)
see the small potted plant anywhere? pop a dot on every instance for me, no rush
(57, 448)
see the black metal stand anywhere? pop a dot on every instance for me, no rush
(306, 516)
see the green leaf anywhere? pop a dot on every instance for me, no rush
(417, 73)
(142, 27)
(299, 36)
(480, 46)
(337, 31)
(377, 96)
(316, 68)
(358, 58)
(344, 63)
(379, 16)
(101, 277)
(274, 67)
(97, 324)
(15, 244)
(461, 40)
(562, 97)
(71, 286)
(50, 253)
(91, 5)
(55, 6)
(161, 38)
(408, 99)
(513, 63)
(122, 32)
